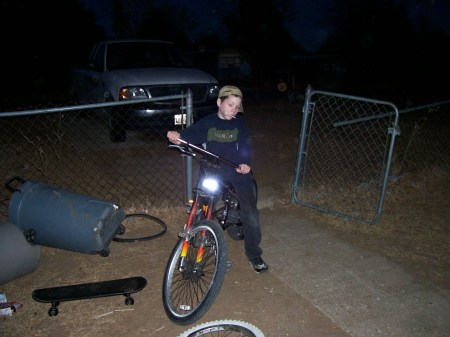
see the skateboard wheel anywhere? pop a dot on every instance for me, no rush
(52, 311)
(129, 301)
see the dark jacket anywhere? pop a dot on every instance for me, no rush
(227, 138)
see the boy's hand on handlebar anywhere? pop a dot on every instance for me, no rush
(173, 137)
(243, 168)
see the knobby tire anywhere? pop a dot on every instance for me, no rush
(187, 296)
(229, 328)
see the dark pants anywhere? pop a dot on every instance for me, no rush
(250, 219)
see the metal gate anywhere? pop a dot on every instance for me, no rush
(345, 150)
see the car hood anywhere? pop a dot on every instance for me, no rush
(161, 76)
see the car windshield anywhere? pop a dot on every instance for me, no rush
(126, 55)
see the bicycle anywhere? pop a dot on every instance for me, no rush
(199, 260)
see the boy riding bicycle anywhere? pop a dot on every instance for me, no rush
(225, 134)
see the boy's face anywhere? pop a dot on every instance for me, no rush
(229, 107)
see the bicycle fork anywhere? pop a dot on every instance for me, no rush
(196, 213)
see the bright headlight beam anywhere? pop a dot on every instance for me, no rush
(210, 184)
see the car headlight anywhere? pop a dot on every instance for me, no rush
(128, 93)
(213, 91)
(210, 184)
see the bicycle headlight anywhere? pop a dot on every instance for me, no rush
(210, 184)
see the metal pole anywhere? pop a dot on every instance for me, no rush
(189, 121)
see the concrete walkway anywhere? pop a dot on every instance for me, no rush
(363, 293)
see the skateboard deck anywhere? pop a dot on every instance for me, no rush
(82, 291)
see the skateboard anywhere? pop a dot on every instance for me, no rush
(83, 291)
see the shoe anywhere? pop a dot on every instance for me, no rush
(259, 266)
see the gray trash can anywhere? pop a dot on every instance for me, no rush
(18, 257)
(54, 217)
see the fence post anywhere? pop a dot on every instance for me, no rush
(189, 121)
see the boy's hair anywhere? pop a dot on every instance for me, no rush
(228, 90)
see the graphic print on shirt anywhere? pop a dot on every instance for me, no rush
(222, 136)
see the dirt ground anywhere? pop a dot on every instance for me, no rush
(413, 232)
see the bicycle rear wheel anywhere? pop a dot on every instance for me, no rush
(188, 294)
(229, 328)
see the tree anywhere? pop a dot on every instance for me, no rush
(152, 20)
(256, 28)
(43, 40)
(380, 45)
(169, 23)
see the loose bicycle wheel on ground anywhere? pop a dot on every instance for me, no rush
(189, 293)
(229, 328)
(140, 227)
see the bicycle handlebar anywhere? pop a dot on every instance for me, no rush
(202, 151)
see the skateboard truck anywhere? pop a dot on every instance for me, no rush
(56, 295)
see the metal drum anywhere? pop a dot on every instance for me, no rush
(54, 217)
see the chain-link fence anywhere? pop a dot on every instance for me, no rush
(344, 153)
(424, 142)
(77, 148)
(349, 151)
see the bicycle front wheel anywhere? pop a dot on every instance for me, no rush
(229, 328)
(190, 292)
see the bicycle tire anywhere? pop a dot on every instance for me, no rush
(219, 328)
(188, 295)
(158, 221)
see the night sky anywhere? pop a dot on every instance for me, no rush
(309, 29)
(409, 62)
